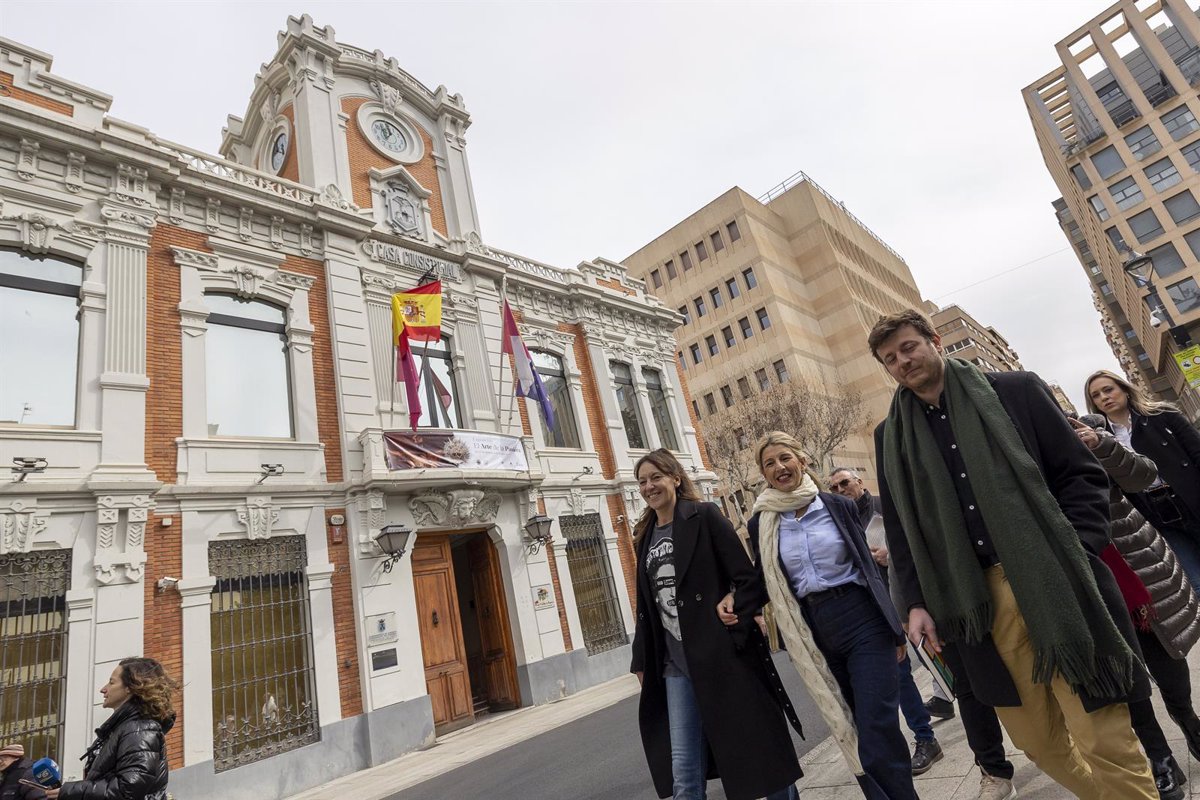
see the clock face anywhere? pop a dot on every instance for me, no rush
(388, 135)
(279, 149)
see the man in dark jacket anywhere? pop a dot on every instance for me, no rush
(996, 516)
(14, 768)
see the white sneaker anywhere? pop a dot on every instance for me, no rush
(993, 788)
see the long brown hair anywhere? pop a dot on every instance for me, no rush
(1138, 401)
(150, 686)
(668, 465)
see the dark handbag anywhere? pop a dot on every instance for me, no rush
(1162, 503)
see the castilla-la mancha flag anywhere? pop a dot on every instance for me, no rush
(416, 316)
(528, 382)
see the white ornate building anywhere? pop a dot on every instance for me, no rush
(196, 395)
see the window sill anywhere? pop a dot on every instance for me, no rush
(19, 431)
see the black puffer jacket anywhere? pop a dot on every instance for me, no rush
(11, 787)
(1176, 622)
(128, 760)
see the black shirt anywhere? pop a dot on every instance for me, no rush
(981, 540)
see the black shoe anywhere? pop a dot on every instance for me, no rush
(1190, 726)
(937, 707)
(1167, 778)
(924, 756)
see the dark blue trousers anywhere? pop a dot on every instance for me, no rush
(861, 650)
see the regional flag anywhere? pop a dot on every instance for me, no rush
(529, 383)
(419, 310)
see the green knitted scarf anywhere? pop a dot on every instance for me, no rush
(1069, 626)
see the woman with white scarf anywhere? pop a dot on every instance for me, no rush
(834, 614)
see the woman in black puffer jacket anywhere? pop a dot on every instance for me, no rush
(128, 760)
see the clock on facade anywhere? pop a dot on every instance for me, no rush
(388, 136)
(279, 148)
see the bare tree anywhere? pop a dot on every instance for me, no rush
(820, 415)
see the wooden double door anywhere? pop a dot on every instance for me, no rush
(464, 628)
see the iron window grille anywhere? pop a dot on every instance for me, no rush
(592, 582)
(264, 702)
(33, 649)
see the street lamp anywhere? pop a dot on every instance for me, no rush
(1140, 267)
(393, 540)
(537, 532)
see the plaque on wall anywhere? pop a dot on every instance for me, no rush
(543, 597)
(381, 629)
(382, 659)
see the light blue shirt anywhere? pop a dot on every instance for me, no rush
(814, 554)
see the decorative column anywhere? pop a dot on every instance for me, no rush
(196, 605)
(77, 704)
(325, 666)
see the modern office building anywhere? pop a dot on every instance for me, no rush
(1118, 131)
(785, 285)
(198, 400)
(965, 337)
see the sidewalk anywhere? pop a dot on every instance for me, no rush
(484, 738)
(955, 777)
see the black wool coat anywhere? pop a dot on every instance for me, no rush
(1171, 442)
(1079, 484)
(741, 698)
(128, 760)
(846, 516)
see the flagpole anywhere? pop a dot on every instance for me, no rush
(512, 394)
(395, 358)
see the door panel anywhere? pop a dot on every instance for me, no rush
(500, 669)
(442, 648)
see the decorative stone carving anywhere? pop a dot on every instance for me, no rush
(175, 207)
(575, 500)
(131, 185)
(249, 281)
(455, 508)
(114, 552)
(403, 210)
(27, 159)
(129, 216)
(295, 280)
(212, 215)
(37, 230)
(277, 232)
(371, 507)
(20, 522)
(389, 96)
(246, 224)
(306, 242)
(73, 177)
(194, 258)
(270, 107)
(331, 195)
(475, 244)
(259, 517)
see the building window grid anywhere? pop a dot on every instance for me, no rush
(1180, 122)
(1162, 174)
(685, 258)
(1126, 193)
(732, 229)
(1142, 143)
(781, 372)
(710, 403)
(715, 295)
(1099, 207)
(701, 250)
(744, 324)
(744, 388)
(764, 320)
(731, 286)
(711, 343)
(1145, 227)
(750, 279)
(764, 382)
(592, 583)
(701, 309)
(1182, 207)
(670, 267)
(264, 700)
(33, 645)
(696, 357)
(656, 278)
(718, 244)
(727, 332)
(727, 396)
(683, 312)
(1191, 152)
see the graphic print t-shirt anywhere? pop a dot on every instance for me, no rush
(660, 567)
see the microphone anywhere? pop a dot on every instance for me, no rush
(1096, 421)
(47, 773)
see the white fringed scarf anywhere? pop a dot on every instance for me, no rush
(802, 649)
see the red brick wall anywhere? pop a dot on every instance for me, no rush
(616, 508)
(162, 633)
(291, 162)
(364, 157)
(615, 286)
(558, 593)
(24, 95)
(345, 634)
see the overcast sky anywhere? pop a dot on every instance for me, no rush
(597, 126)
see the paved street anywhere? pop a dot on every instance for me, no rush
(598, 757)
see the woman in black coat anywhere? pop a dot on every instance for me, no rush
(711, 704)
(128, 760)
(1158, 431)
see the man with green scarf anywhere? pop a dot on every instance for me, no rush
(995, 517)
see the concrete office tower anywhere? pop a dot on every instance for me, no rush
(784, 285)
(1118, 130)
(965, 337)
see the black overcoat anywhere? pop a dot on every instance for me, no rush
(741, 698)
(127, 761)
(1171, 442)
(1079, 484)
(845, 515)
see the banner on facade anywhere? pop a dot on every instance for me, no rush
(1189, 363)
(453, 450)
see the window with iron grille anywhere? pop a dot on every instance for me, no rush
(264, 701)
(592, 581)
(33, 649)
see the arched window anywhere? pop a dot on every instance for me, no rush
(554, 378)
(39, 339)
(439, 394)
(248, 386)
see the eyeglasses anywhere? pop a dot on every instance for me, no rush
(842, 484)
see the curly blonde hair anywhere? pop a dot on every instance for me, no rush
(150, 686)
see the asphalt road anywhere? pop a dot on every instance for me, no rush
(598, 757)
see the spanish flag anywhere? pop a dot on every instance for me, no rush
(419, 311)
